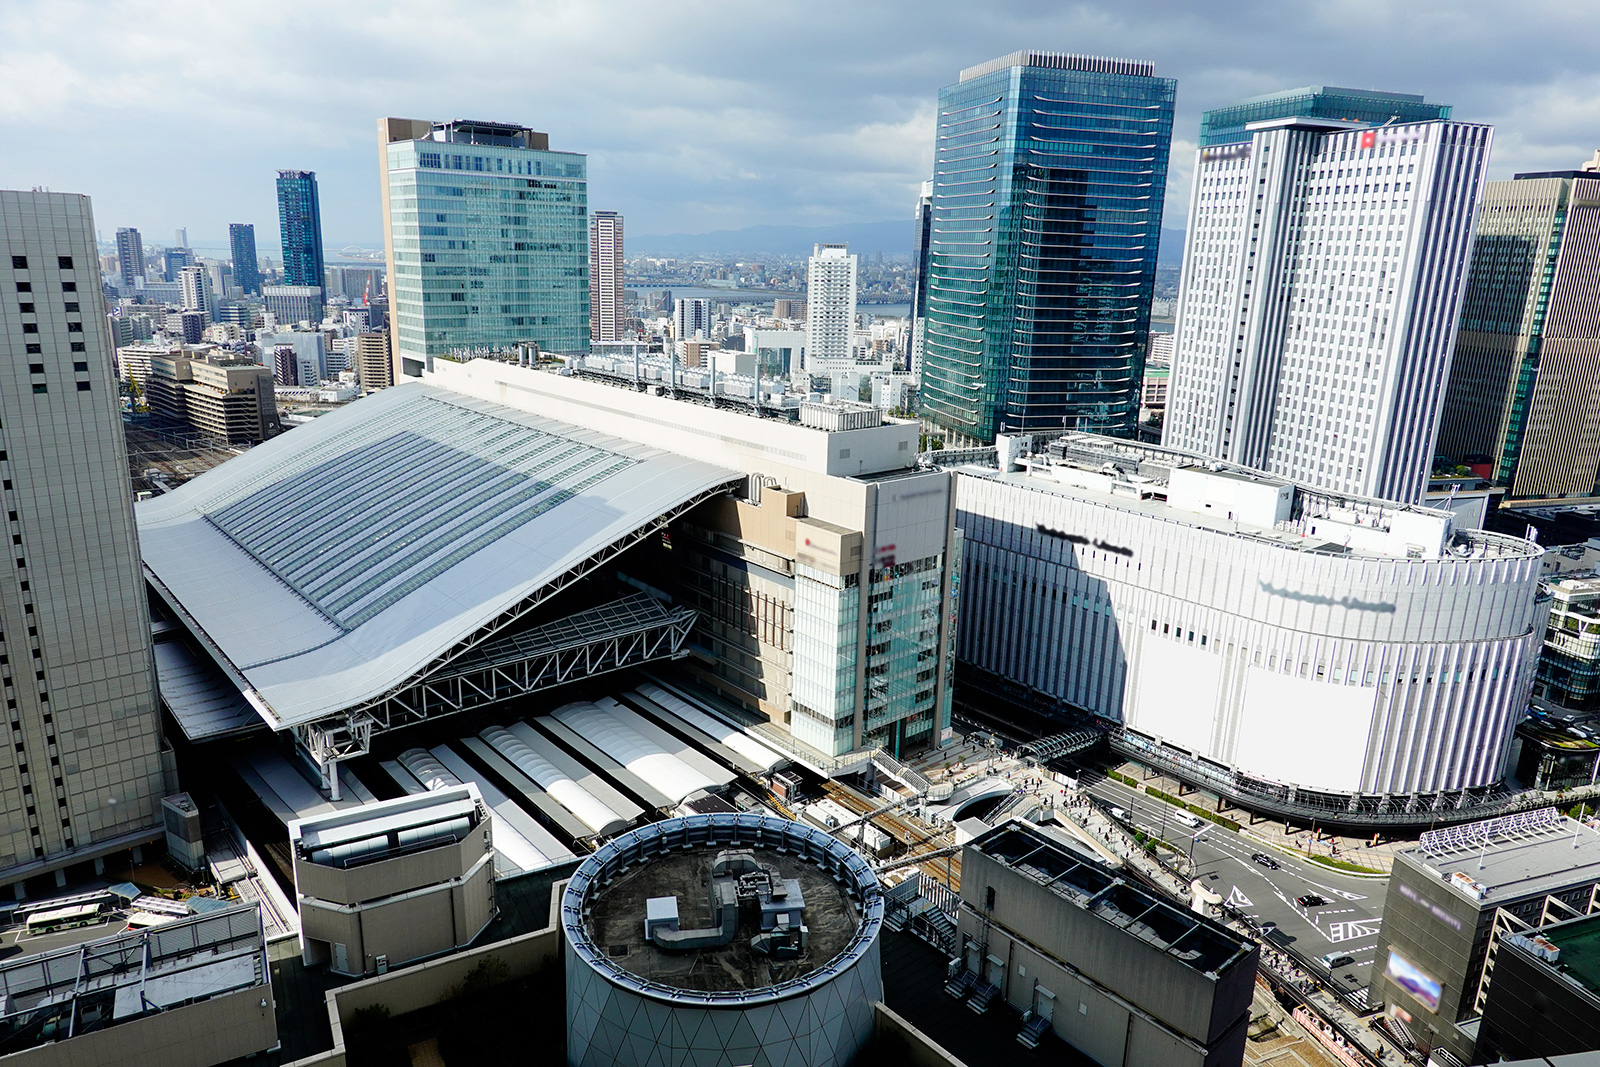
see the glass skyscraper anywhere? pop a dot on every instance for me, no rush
(300, 219)
(246, 269)
(487, 235)
(1229, 125)
(1522, 405)
(1049, 174)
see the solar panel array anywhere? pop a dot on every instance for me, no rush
(359, 530)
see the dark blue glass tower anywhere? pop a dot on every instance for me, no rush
(300, 219)
(1049, 173)
(246, 271)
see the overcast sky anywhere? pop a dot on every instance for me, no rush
(696, 115)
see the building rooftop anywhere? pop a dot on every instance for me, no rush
(1511, 858)
(388, 828)
(1062, 61)
(1374, 95)
(619, 911)
(722, 908)
(330, 565)
(1572, 948)
(102, 983)
(1198, 942)
(1170, 484)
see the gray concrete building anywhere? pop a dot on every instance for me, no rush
(81, 771)
(221, 395)
(1123, 975)
(188, 993)
(394, 882)
(1455, 897)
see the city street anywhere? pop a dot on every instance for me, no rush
(1348, 923)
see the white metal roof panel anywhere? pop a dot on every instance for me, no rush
(590, 810)
(668, 742)
(724, 733)
(542, 849)
(614, 771)
(330, 564)
(662, 770)
(593, 782)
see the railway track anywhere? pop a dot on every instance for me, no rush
(915, 837)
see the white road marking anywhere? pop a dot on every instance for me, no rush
(1237, 899)
(1353, 930)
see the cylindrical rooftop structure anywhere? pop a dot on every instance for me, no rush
(716, 940)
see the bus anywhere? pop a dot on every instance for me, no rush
(64, 918)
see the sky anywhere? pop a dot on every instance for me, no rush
(696, 115)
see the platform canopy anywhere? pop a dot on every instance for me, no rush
(352, 557)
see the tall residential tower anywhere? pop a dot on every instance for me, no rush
(487, 236)
(1322, 276)
(300, 221)
(1049, 173)
(1524, 394)
(246, 267)
(922, 237)
(81, 772)
(830, 309)
(130, 258)
(605, 276)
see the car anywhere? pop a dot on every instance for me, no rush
(1337, 959)
(1118, 813)
(1265, 861)
(1311, 900)
(1188, 819)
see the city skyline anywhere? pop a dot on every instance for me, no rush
(854, 147)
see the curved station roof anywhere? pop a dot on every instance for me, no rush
(340, 560)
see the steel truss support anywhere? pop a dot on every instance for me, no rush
(626, 633)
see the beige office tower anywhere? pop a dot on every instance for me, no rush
(605, 276)
(373, 367)
(81, 775)
(1523, 403)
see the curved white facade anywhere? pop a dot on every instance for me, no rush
(1279, 651)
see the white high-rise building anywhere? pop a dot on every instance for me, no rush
(81, 768)
(1322, 276)
(691, 318)
(198, 294)
(831, 309)
(605, 276)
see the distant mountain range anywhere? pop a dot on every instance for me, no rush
(893, 237)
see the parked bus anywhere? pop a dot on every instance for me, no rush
(63, 918)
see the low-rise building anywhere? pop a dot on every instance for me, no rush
(133, 360)
(1120, 973)
(1545, 997)
(188, 993)
(1453, 899)
(1569, 663)
(291, 304)
(222, 395)
(389, 883)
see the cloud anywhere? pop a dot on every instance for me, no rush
(698, 115)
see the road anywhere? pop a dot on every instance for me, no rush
(1348, 923)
